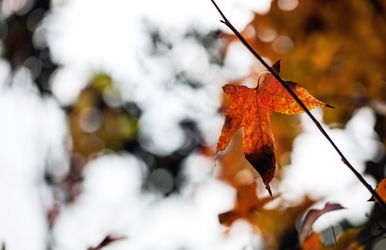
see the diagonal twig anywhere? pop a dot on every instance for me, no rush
(306, 110)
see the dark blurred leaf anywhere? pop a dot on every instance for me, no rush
(109, 239)
(313, 215)
(20, 49)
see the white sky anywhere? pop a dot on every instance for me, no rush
(94, 35)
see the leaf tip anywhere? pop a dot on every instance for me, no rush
(269, 190)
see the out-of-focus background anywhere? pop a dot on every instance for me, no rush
(110, 112)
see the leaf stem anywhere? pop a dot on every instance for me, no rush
(315, 121)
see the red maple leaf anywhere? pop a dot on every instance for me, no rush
(251, 108)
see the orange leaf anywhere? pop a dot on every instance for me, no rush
(381, 190)
(247, 202)
(347, 240)
(251, 108)
(313, 242)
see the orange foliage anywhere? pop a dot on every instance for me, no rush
(272, 224)
(313, 242)
(333, 54)
(246, 204)
(381, 190)
(346, 240)
(250, 109)
(335, 48)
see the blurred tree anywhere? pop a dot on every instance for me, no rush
(336, 50)
(23, 44)
(332, 54)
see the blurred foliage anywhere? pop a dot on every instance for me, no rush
(22, 45)
(98, 121)
(276, 225)
(336, 50)
(381, 190)
(346, 240)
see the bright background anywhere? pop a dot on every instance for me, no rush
(87, 37)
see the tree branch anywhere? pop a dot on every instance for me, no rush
(306, 110)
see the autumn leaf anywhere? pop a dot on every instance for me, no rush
(381, 190)
(347, 240)
(250, 110)
(276, 224)
(247, 203)
(313, 215)
(310, 37)
(312, 242)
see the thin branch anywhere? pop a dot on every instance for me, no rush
(315, 121)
